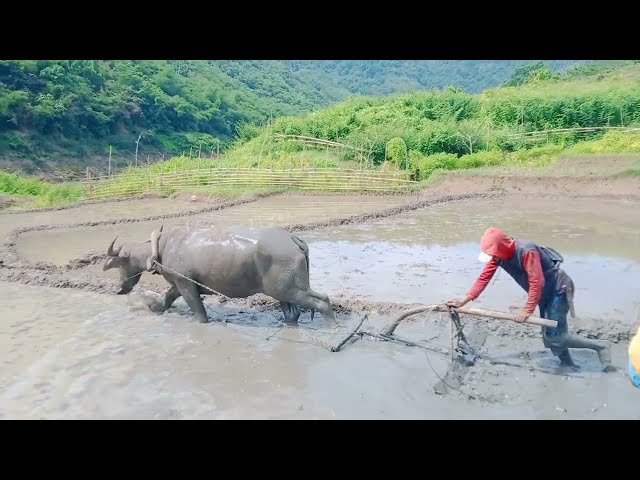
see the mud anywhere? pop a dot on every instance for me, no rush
(60, 244)
(106, 357)
(92, 355)
(429, 255)
(7, 249)
(587, 187)
(410, 247)
(98, 212)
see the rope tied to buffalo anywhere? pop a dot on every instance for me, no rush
(153, 263)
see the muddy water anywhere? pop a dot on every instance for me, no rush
(97, 212)
(78, 355)
(60, 246)
(430, 255)
(75, 356)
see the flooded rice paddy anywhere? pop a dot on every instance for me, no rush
(95, 213)
(429, 255)
(74, 354)
(60, 246)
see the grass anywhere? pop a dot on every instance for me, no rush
(530, 159)
(215, 179)
(42, 193)
(428, 169)
(249, 156)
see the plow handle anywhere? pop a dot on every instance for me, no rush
(481, 312)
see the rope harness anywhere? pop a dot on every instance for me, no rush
(155, 263)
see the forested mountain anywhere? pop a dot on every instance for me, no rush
(66, 111)
(414, 127)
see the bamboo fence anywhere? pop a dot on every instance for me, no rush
(138, 181)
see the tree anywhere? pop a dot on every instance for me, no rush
(397, 152)
(529, 72)
(470, 133)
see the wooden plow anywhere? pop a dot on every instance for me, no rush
(467, 354)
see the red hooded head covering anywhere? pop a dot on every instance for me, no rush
(496, 243)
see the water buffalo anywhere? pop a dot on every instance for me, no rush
(237, 262)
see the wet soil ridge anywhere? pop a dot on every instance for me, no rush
(7, 201)
(10, 255)
(83, 203)
(15, 269)
(389, 212)
(148, 218)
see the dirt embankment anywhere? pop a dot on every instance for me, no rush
(454, 187)
(558, 186)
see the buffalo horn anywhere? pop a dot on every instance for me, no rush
(110, 251)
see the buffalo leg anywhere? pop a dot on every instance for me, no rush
(320, 296)
(171, 296)
(327, 312)
(291, 312)
(191, 295)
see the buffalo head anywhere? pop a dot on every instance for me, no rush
(131, 260)
(121, 258)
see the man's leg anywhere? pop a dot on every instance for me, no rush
(559, 340)
(555, 339)
(602, 349)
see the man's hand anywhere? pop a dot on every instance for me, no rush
(458, 303)
(522, 316)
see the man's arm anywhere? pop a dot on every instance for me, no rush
(483, 280)
(480, 284)
(533, 268)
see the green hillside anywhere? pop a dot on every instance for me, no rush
(418, 133)
(65, 114)
(451, 121)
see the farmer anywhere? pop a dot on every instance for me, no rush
(634, 359)
(535, 269)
